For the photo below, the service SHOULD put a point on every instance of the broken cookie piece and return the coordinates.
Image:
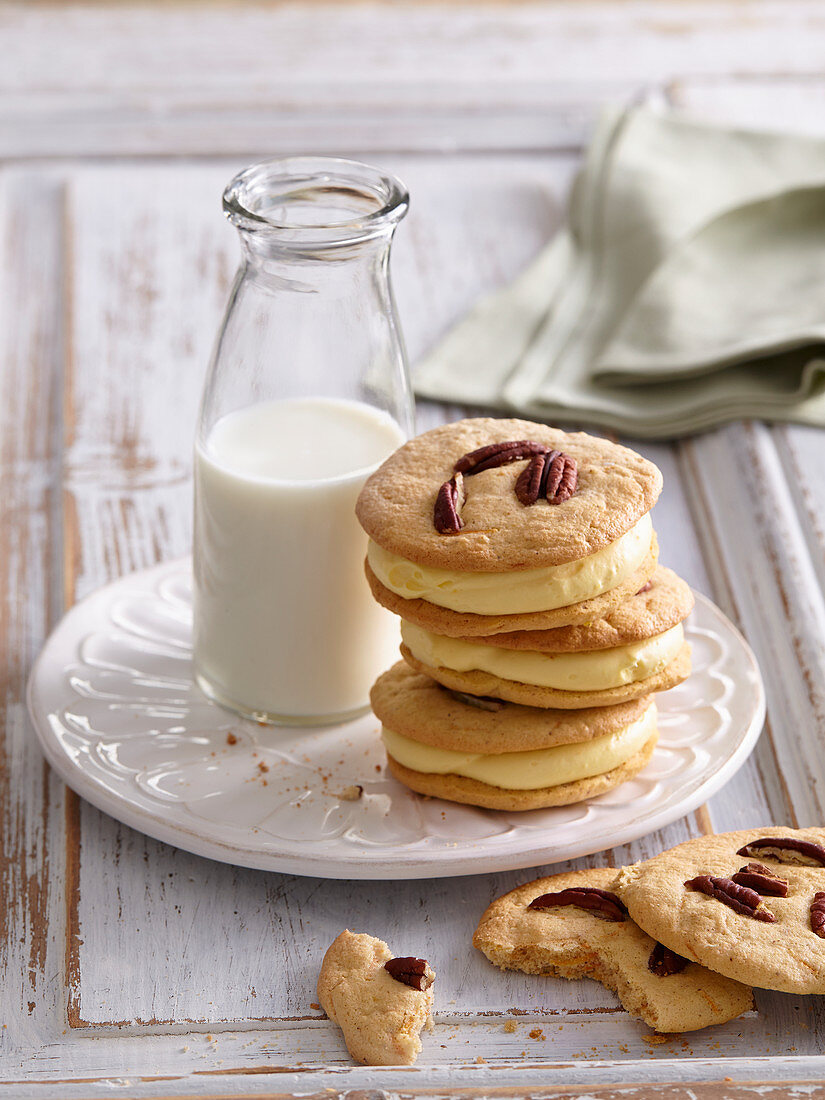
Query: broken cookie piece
(573, 926)
(381, 1003)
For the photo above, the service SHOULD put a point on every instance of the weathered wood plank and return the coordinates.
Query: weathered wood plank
(252, 1062)
(31, 799)
(282, 78)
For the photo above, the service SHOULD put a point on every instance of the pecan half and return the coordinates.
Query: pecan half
(601, 903)
(786, 849)
(497, 454)
(561, 477)
(448, 504)
(761, 879)
(415, 973)
(818, 914)
(480, 702)
(740, 898)
(528, 484)
(664, 962)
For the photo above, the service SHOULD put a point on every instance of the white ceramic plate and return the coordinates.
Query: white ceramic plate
(118, 717)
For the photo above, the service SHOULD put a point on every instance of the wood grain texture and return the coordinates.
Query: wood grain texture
(252, 79)
(31, 799)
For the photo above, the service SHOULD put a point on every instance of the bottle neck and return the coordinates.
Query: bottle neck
(343, 269)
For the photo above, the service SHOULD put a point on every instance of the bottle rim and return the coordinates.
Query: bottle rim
(260, 198)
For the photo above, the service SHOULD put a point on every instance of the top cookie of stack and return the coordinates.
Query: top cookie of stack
(522, 561)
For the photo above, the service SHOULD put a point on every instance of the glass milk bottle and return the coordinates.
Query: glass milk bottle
(306, 395)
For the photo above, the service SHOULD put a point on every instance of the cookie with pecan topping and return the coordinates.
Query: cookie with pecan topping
(757, 922)
(504, 756)
(381, 1003)
(573, 926)
(488, 525)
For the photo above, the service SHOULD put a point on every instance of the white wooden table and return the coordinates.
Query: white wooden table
(131, 968)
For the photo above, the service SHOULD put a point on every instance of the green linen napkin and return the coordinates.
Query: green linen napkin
(686, 290)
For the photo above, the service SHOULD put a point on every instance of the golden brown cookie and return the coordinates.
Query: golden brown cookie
(475, 682)
(503, 756)
(465, 624)
(472, 792)
(381, 1015)
(616, 487)
(569, 941)
(664, 602)
(414, 706)
(727, 930)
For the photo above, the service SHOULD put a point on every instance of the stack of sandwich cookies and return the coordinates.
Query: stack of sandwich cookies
(536, 622)
(486, 752)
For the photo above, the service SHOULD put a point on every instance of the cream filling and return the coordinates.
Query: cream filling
(531, 770)
(595, 670)
(519, 590)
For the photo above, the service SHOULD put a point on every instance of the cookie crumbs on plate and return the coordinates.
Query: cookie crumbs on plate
(536, 1033)
(349, 794)
(656, 1040)
(509, 1026)
(231, 739)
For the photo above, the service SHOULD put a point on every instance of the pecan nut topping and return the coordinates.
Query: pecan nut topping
(601, 903)
(761, 879)
(561, 478)
(663, 962)
(415, 973)
(550, 474)
(786, 849)
(528, 483)
(497, 454)
(480, 702)
(448, 504)
(553, 475)
(740, 898)
(818, 914)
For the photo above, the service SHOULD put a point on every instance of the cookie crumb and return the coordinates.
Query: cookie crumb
(536, 1033)
(481, 1061)
(509, 1026)
(313, 1004)
(263, 767)
(363, 988)
(231, 739)
(656, 1040)
(349, 794)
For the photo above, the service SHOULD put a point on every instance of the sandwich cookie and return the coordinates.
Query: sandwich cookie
(638, 649)
(381, 1003)
(486, 526)
(749, 905)
(485, 752)
(573, 926)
